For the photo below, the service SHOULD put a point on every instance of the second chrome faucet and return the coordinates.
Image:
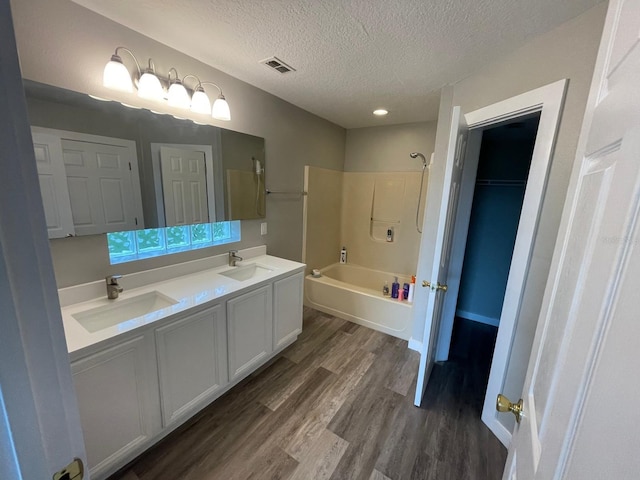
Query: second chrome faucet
(113, 287)
(233, 258)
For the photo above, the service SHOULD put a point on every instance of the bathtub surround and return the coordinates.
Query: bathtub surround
(322, 217)
(293, 137)
(368, 205)
(374, 202)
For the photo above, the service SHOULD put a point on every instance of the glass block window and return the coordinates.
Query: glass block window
(154, 242)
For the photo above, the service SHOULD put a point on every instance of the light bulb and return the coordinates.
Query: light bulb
(116, 76)
(150, 87)
(221, 109)
(200, 102)
(178, 96)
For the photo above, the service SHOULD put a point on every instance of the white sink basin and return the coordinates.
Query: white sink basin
(122, 310)
(246, 272)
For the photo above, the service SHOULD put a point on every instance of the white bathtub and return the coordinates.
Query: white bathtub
(355, 293)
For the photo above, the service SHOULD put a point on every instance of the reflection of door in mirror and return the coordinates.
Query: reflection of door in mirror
(90, 179)
(183, 179)
(184, 186)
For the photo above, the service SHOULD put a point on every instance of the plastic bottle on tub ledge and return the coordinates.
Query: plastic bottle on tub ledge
(343, 255)
(395, 288)
(412, 287)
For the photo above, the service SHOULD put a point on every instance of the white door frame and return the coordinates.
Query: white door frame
(548, 100)
(461, 230)
(40, 430)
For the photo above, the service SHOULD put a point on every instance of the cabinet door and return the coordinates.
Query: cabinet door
(192, 363)
(287, 309)
(116, 389)
(250, 330)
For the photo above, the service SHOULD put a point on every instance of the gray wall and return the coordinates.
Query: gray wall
(63, 44)
(387, 148)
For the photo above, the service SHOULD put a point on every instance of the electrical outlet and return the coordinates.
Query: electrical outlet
(263, 228)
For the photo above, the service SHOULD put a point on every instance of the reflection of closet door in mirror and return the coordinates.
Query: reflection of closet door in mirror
(53, 184)
(100, 185)
(184, 186)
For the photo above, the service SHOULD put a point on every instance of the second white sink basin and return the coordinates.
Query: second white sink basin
(122, 310)
(246, 272)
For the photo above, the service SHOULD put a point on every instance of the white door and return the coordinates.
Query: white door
(184, 186)
(581, 390)
(101, 187)
(451, 191)
(39, 421)
(53, 184)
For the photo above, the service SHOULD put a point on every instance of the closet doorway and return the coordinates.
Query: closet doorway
(486, 225)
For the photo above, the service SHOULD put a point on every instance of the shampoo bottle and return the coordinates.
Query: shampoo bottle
(395, 287)
(343, 255)
(385, 289)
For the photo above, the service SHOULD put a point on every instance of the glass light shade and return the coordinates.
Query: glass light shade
(200, 102)
(221, 109)
(178, 96)
(150, 87)
(116, 76)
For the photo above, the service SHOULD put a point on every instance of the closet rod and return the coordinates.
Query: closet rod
(501, 183)
(273, 192)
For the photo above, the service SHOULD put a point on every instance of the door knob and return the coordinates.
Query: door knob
(503, 404)
(437, 286)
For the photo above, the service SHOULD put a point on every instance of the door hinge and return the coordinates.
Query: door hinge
(73, 471)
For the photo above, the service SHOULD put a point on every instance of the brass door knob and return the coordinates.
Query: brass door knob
(437, 286)
(503, 404)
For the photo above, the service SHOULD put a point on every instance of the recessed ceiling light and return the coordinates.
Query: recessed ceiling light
(380, 112)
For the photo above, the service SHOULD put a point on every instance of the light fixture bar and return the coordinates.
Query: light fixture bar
(117, 77)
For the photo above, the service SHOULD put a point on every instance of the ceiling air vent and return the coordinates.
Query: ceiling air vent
(277, 64)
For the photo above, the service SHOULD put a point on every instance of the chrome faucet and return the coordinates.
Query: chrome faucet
(233, 258)
(113, 287)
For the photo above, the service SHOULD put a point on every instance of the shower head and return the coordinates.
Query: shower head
(418, 154)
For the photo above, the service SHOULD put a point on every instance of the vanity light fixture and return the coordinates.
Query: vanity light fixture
(220, 106)
(149, 85)
(177, 95)
(200, 102)
(380, 112)
(117, 77)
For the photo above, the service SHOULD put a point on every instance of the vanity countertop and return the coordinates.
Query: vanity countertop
(196, 291)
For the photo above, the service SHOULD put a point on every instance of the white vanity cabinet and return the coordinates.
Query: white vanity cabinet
(287, 309)
(249, 330)
(133, 388)
(192, 363)
(118, 402)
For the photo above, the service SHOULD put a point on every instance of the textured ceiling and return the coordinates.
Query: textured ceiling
(351, 56)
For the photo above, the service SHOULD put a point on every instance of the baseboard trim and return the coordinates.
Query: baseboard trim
(415, 345)
(494, 322)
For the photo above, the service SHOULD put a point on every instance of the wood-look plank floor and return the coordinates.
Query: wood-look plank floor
(338, 404)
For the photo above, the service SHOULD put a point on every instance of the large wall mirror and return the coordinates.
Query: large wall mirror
(105, 167)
